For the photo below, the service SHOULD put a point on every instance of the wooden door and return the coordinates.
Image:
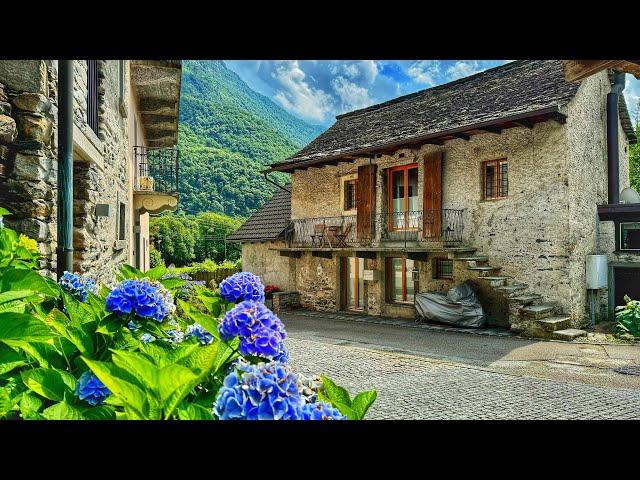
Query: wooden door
(432, 199)
(366, 187)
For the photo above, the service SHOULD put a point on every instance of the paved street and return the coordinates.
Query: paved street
(434, 374)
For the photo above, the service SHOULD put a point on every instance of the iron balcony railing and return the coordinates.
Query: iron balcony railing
(156, 169)
(442, 226)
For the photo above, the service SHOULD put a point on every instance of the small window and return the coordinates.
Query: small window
(401, 286)
(92, 95)
(630, 236)
(495, 179)
(122, 212)
(350, 194)
(443, 268)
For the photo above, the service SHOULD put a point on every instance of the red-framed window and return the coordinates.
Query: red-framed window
(402, 196)
(495, 179)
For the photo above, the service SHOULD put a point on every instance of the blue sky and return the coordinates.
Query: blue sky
(318, 90)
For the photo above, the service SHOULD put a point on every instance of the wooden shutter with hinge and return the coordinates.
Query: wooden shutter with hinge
(432, 190)
(366, 194)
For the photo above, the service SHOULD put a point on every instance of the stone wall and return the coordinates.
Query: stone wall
(29, 162)
(587, 178)
(317, 281)
(28, 166)
(269, 265)
(97, 246)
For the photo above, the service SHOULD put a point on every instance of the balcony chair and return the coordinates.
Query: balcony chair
(317, 237)
(341, 236)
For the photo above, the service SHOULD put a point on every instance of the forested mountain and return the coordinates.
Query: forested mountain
(228, 133)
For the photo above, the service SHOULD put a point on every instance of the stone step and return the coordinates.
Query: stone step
(484, 268)
(495, 280)
(538, 311)
(512, 289)
(568, 334)
(472, 259)
(525, 299)
(553, 324)
(461, 251)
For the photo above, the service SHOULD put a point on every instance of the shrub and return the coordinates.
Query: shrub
(628, 318)
(77, 350)
(155, 257)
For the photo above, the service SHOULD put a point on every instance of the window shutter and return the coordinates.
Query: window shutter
(432, 199)
(366, 195)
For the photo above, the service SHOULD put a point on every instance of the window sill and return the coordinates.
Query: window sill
(87, 146)
(119, 244)
(491, 200)
(400, 304)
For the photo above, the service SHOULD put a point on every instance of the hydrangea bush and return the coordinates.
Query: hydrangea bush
(155, 346)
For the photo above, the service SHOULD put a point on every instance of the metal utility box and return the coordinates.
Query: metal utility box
(103, 210)
(596, 272)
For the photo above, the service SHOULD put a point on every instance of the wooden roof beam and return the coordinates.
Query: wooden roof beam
(496, 130)
(461, 136)
(523, 122)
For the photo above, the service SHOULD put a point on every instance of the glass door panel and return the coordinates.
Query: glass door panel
(409, 264)
(354, 278)
(397, 198)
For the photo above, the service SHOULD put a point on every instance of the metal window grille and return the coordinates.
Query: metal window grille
(350, 195)
(92, 95)
(495, 179)
(444, 268)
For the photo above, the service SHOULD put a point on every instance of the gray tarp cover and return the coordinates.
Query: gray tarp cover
(459, 307)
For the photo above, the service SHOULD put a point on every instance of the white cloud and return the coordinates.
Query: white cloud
(424, 72)
(294, 92)
(632, 97)
(352, 96)
(463, 69)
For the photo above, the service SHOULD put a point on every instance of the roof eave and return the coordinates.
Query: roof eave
(290, 167)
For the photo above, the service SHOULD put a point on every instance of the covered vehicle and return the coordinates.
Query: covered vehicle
(459, 306)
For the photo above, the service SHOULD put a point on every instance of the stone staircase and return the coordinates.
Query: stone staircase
(527, 312)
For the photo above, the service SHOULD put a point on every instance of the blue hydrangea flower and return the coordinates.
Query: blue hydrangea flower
(320, 411)
(77, 285)
(143, 297)
(90, 389)
(147, 338)
(175, 336)
(261, 332)
(1, 223)
(196, 330)
(283, 356)
(242, 286)
(266, 391)
(133, 326)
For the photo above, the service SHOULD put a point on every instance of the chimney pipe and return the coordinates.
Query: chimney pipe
(613, 154)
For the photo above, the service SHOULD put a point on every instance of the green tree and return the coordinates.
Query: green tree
(182, 239)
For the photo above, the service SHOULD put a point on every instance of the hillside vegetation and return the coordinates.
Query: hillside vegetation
(228, 134)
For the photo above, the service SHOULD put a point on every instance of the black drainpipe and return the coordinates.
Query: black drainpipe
(265, 173)
(613, 154)
(64, 250)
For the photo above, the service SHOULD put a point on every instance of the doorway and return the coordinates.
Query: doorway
(403, 197)
(626, 282)
(353, 297)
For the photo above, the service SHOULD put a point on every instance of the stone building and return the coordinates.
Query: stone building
(125, 126)
(494, 178)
